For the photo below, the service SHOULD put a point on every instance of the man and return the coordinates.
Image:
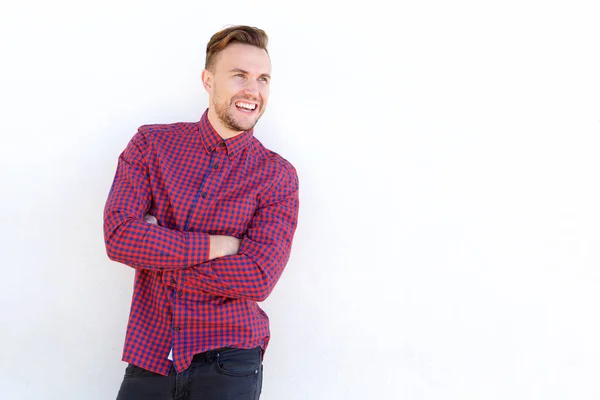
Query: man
(206, 216)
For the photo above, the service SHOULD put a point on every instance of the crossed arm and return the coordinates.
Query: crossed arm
(245, 268)
(220, 245)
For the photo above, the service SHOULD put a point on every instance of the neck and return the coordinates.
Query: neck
(221, 129)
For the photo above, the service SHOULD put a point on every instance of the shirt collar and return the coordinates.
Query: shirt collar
(212, 141)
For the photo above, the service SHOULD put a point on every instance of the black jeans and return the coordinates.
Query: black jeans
(223, 374)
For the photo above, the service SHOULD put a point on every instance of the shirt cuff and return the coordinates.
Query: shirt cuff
(198, 248)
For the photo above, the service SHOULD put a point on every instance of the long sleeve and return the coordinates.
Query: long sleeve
(253, 272)
(131, 240)
(198, 184)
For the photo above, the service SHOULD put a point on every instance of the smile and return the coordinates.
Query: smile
(245, 107)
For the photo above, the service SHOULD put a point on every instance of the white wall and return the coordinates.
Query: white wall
(448, 244)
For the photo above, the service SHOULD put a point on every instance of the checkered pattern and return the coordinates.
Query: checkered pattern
(196, 185)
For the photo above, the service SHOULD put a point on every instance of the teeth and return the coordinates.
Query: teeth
(247, 106)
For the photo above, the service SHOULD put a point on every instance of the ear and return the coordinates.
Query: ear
(207, 80)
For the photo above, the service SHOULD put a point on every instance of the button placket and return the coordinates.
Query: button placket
(215, 167)
(214, 164)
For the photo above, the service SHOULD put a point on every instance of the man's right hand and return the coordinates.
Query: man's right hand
(221, 246)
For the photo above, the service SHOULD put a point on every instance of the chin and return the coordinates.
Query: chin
(245, 124)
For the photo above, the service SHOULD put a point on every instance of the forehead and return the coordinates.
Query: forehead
(243, 56)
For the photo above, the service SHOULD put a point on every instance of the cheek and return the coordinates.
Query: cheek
(264, 93)
(228, 90)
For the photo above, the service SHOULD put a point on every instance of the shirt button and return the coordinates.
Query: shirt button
(180, 293)
(216, 166)
(176, 329)
(222, 144)
(203, 194)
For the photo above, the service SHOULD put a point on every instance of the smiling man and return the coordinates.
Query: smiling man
(238, 87)
(205, 214)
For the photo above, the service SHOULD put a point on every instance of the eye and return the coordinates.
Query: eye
(239, 76)
(264, 79)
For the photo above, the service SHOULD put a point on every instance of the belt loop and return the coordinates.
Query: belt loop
(210, 355)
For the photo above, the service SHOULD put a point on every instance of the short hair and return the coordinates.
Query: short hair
(234, 34)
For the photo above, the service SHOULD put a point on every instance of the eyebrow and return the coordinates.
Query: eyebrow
(247, 73)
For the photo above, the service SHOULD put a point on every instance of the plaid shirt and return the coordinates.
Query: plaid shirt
(197, 184)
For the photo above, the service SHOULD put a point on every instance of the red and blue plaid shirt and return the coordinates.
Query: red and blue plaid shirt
(196, 184)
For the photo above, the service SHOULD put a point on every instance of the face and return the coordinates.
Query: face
(238, 87)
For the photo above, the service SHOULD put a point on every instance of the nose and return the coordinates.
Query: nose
(251, 88)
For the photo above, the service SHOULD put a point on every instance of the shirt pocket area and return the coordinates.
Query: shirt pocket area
(231, 217)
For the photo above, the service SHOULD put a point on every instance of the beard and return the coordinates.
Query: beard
(225, 114)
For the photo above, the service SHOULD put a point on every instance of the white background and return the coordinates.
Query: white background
(449, 234)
